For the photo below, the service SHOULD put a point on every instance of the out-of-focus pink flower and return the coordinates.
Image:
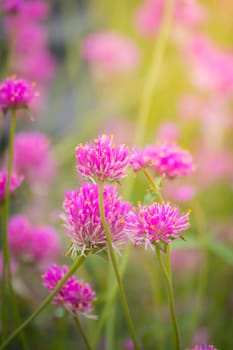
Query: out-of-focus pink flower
(111, 52)
(139, 160)
(211, 67)
(19, 235)
(203, 347)
(16, 93)
(186, 260)
(170, 160)
(11, 6)
(168, 132)
(39, 244)
(103, 159)
(83, 222)
(36, 10)
(33, 157)
(27, 35)
(149, 15)
(190, 107)
(156, 223)
(40, 66)
(15, 182)
(128, 344)
(178, 192)
(75, 296)
(213, 165)
(189, 12)
(45, 244)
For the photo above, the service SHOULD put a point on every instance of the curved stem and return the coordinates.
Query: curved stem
(43, 305)
(115, 268)
(167, 276)
(81, 330)
(153, 73)
(153, 184)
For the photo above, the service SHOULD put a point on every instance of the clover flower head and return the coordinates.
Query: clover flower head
(75, 296)
(15, 182)
(170, 160)
(156, 223)
(16, 93)
(139, 160)
(83, 222)
(102, 159)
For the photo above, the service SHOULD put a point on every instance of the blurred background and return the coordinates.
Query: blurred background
(97, 64)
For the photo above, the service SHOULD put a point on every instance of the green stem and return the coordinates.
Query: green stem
(111, 297)
(153, 73)
(115, 268)
(81, 330)
(167, 276)
(153, 184)
(43, 305)
(6, 271)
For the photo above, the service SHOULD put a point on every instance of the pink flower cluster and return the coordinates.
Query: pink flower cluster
(74, 295)
(39, 244)
(170, 160)
(166, 159)
(28, 39)
(83, 222)
(112, 52)
(139, 159)
(156, 223)
(211, 67)
(15, 182)
(33, 157)
(102, 159)
(149, 15)
(16, 93)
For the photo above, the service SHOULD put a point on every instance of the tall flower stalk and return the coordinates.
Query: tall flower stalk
(6, 271)
(166, 270)
(81, 330)
(115, 268)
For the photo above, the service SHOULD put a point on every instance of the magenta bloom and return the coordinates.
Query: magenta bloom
(156, 223)
(102, 159)
(111, 52)
(139, 160)
(15, 182)
(34, 244)
(82, 218)
(16, 93)
(75, 296)
(170, 160)
(204, 347)
(33, 157)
